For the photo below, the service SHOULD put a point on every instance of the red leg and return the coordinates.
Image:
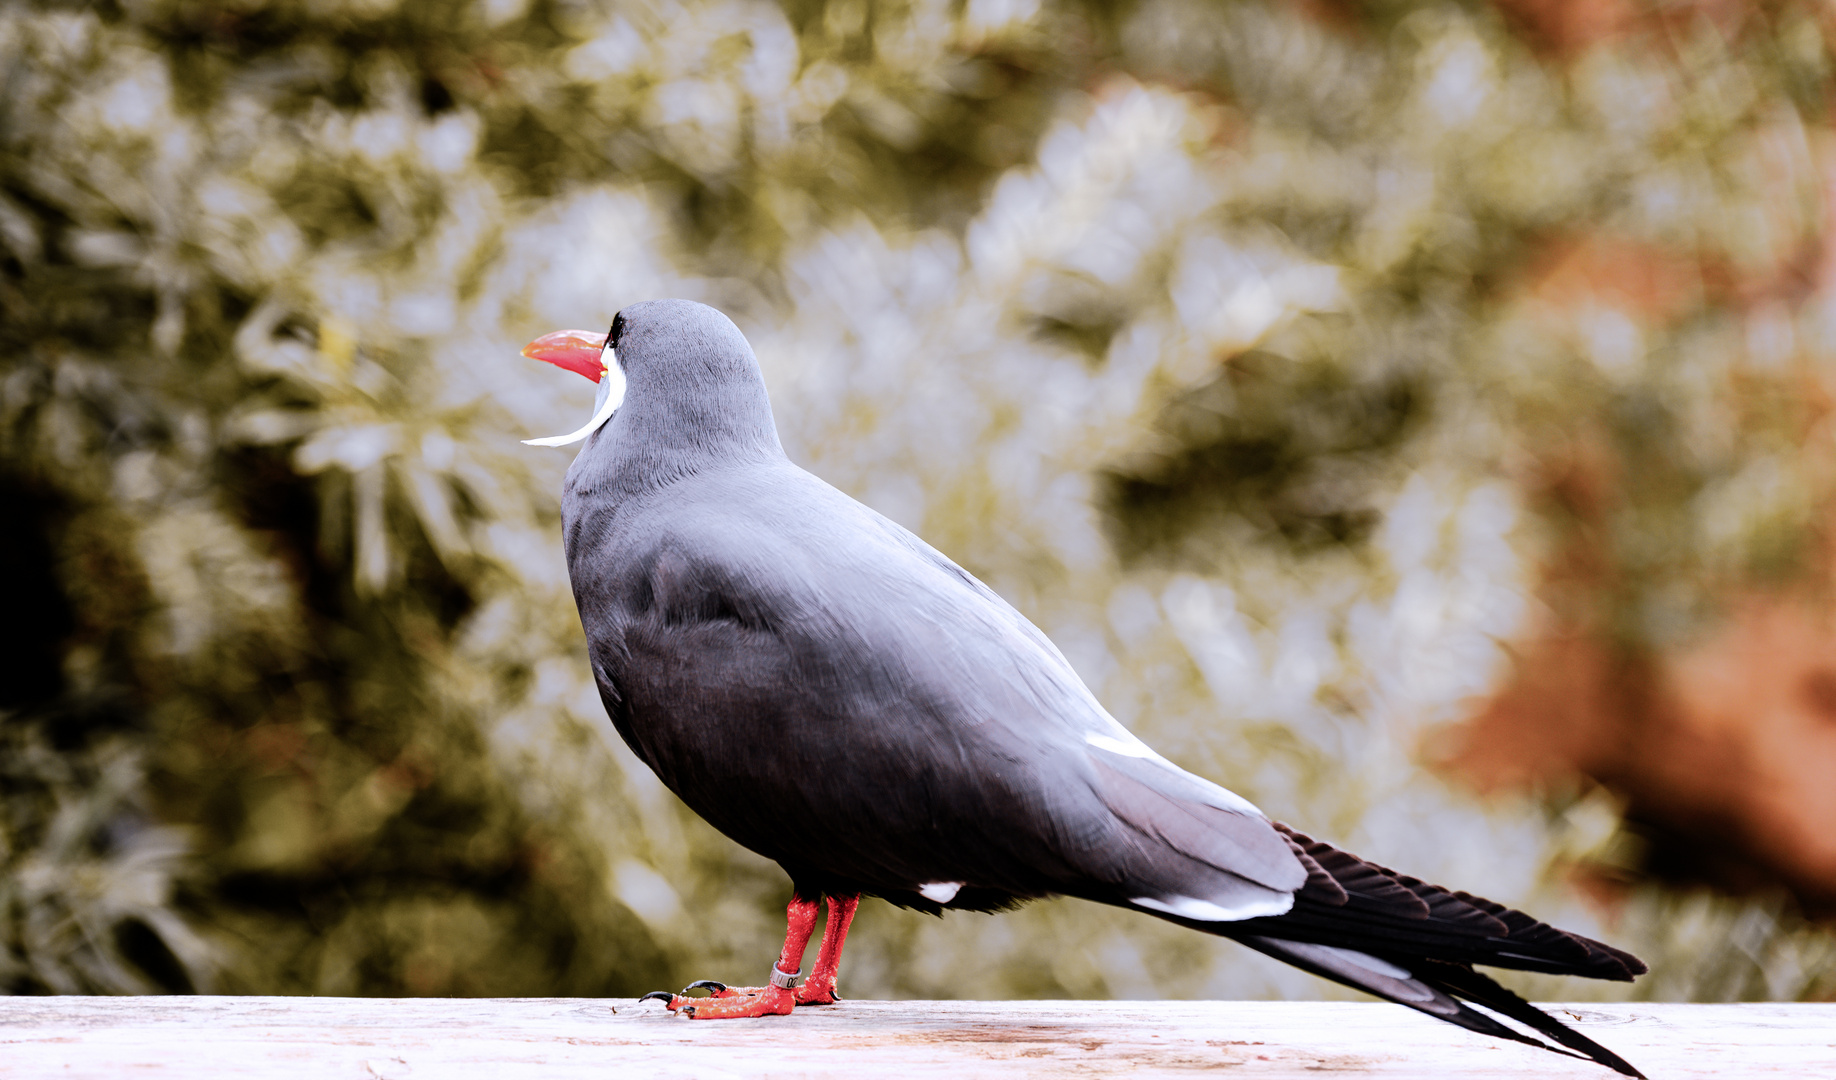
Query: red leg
(819, 988)
(737, 1001)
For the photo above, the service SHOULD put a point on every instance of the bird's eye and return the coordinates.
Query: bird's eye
(618, 327)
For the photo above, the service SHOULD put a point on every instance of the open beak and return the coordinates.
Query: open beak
(584, 353)
(579, 351)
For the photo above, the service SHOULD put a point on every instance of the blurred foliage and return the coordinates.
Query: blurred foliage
(1268, 355)
(86, 895)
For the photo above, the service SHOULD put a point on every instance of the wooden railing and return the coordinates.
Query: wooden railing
(458, 1039)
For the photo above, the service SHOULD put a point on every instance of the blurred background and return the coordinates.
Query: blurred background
(1414, 415)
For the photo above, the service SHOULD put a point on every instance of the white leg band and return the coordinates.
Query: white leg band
(783, 981)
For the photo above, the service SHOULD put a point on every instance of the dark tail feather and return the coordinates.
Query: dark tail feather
(1471, 985)
(1430, 986)
(1411, 992)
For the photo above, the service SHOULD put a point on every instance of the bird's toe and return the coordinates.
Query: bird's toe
(816, 994)
(738, 1002)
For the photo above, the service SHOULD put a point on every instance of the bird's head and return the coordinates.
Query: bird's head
(682, 372)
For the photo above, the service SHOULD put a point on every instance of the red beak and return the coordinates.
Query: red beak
(576, 350)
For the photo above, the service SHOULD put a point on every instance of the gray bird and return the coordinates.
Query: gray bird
(830, 691)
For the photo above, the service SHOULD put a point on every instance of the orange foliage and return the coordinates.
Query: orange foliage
(1724, 746)
(1563, 29)
(1603, 270)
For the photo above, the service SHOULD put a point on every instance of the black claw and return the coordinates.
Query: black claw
(710, 985)
(834, 996)
(687, 1010)
(661, 995)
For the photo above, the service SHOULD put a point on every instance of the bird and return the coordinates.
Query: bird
(833, 693)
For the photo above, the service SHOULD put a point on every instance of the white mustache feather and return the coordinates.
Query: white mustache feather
(611, 395)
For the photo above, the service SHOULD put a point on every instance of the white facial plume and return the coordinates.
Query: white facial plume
(611, 395)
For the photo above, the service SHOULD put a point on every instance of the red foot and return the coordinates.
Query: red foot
(813, 992)
(730, 1002)
(735, 1002)
(819, 988)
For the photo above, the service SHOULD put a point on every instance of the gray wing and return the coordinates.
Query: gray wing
(832, 692)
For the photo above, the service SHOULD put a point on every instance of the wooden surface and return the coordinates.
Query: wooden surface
(423, 1039)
